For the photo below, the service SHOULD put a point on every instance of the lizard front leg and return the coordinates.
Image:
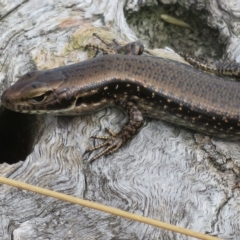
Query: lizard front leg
(115, 140)
(114, 47)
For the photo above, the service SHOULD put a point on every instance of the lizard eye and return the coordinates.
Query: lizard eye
(40, 98)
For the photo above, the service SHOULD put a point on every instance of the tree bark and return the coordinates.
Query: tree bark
(166, 172)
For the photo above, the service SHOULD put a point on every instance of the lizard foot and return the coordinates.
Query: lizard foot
(114, 47)
(111, 144)
(114, 141)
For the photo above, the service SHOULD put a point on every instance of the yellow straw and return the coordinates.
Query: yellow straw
(106, 209)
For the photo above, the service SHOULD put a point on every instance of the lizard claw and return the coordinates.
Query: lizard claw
(114, 141)
(111, 143)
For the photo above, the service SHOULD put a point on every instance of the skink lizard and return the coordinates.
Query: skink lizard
(140, 85)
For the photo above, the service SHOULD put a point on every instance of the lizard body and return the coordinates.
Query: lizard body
(142, 86)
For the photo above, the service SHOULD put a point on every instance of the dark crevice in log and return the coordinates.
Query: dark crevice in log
(18, 135)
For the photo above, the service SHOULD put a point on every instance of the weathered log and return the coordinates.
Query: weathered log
(166, 172)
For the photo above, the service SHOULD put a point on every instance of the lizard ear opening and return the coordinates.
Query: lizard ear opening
(79, 101)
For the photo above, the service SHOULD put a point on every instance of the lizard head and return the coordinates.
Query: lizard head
(37, 92)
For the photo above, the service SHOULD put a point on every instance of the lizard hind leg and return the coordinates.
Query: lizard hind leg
(114, 141)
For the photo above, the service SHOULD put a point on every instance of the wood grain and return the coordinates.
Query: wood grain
(166, 172)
